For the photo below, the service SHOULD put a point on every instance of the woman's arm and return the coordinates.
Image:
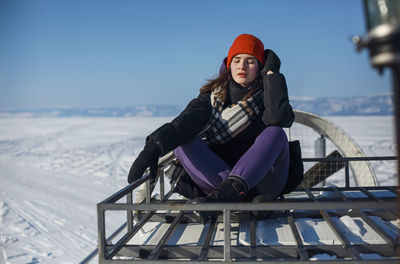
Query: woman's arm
(184, 127)
(179, 131)
(278, 111)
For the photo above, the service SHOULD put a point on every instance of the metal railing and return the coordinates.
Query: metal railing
(303, 203)
(346, 161)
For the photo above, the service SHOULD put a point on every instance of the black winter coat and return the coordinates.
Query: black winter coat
(185, 127)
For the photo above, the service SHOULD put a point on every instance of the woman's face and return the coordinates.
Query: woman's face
(244, 68)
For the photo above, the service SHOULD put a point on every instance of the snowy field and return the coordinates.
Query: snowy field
(55, 170)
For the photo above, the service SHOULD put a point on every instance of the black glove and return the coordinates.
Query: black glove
(147, 158)
(272, 62)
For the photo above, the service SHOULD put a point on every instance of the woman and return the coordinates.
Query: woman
(230, 139)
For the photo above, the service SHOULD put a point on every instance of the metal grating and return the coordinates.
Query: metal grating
(302, 203)
(306, 206)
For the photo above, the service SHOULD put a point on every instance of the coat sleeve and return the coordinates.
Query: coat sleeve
(278, 111)
(184, 127)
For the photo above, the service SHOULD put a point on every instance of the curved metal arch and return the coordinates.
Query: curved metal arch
(363, 172)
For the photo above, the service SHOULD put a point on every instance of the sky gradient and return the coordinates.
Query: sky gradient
(74, 53)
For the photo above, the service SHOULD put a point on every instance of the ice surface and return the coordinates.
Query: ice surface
(357, 231)
(55, 170)
(274, 231)
(53, 173)
(322, 257)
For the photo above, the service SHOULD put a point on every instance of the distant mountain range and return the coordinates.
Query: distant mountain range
(344, 106)
(328, 106)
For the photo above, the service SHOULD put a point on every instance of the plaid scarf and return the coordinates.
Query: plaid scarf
(226, 123)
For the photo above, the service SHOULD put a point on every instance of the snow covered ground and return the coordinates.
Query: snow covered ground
(53, 172)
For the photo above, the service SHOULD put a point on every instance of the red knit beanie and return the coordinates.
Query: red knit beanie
(247, 44)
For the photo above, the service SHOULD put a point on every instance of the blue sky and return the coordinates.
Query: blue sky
(81, 53)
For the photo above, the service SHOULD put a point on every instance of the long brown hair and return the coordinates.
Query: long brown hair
(222, 81)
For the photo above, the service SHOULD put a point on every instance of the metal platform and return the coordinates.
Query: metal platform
(331, 225)
(166, 229)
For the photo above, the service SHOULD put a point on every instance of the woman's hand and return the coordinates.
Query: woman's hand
(147, 158)
(272, 63)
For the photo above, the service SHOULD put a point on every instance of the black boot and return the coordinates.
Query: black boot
(232, 189)
(186, 187)
(262, 215)
(182, 183)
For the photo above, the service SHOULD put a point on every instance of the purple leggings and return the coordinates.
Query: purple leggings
(269, 153)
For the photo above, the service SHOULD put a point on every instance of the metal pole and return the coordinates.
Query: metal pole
(162, 187)
(347, 174)
(129, 219)
(227, 235)
(148, 191)
(320, 150)
(101, 229)
(320, 147)
(396, 100)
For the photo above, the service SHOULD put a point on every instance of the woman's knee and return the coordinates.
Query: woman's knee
(273, 133)
(178, 151)
(276, 130)
(187, 148)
